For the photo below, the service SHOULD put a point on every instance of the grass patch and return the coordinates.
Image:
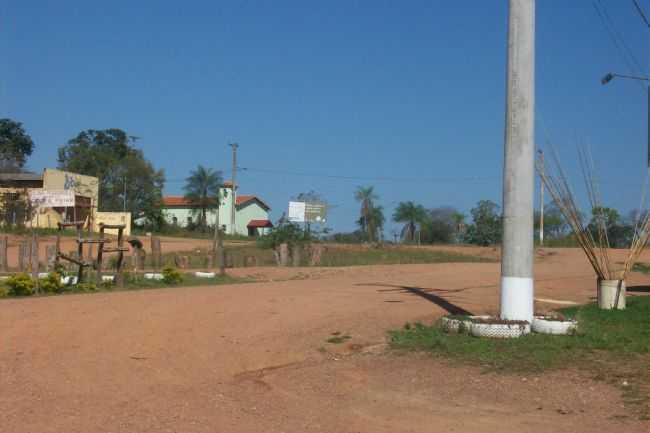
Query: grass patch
(644, 268)
(133, 282)
(393, 256)
(338, 338)
(251, 255)
(612, 344)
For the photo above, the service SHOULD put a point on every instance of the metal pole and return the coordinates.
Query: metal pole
(518, 171)
(232, 196)
(541, 203)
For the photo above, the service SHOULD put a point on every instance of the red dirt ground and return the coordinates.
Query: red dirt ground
(254, 357)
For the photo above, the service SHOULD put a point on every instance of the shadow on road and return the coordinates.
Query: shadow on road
(428, 294)
(638, 289)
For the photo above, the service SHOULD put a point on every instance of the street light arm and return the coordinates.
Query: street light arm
(609, 77)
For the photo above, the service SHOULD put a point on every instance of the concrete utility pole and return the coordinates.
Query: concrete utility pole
(541, 201)
(232, 196)
(518, 172)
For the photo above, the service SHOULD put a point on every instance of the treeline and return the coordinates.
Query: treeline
(483, 226)
(127, 180)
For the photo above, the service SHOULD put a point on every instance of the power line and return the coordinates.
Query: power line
(617, 38)
(641, 13)
(626, 47)
(370, 178)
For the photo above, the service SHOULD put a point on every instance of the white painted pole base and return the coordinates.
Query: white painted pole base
(517, 298)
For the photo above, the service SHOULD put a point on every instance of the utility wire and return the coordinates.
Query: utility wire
(621, 38)
(641, 13)
(376, 179)
(617, 39)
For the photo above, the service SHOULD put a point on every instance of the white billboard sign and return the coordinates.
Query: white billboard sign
(297, 211)
(41, 199)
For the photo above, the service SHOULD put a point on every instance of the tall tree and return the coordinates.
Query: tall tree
(15, 145)
(443, 225)
(555, 226)
(202, 187)
(411, 215)
(375, 220)
(367, 196)
(111, 156)
(486, 228)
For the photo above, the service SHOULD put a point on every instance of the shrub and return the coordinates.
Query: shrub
(52, 283)
(20, 285)
(171, 275)
(85, 287)
(4, 292)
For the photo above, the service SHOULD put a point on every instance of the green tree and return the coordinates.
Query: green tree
(486, 228)
(555, 226)
(366, 196)
(15, 145)
(412, 216)
(372, 226)
(202, 187)
(441, 226)
(607, 221)
(111, 156)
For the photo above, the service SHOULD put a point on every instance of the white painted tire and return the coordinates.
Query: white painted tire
(499, 330)
(70, 280)
(554, 327)
(454, 325)
(204, 274)
(153, 276)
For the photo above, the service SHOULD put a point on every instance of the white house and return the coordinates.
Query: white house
(251, 212)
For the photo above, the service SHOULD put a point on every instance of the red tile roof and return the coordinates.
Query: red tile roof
(243, 199)
(180, 201)
(259, 223)
(177, 201)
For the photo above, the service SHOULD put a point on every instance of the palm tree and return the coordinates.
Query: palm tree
(202, 188)
(366, 196)
(374, 221)
(411, 215)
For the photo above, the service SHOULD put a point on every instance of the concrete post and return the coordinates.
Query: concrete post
(518, 173)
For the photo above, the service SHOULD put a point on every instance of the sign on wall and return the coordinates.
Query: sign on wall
(44, 199)
(114, 218)
(87, 186)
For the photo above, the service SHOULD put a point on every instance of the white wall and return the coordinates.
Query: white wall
(251, 211)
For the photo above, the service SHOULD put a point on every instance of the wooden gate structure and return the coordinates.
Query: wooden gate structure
(120, 249)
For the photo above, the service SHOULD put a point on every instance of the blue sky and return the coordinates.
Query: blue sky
(406, 96)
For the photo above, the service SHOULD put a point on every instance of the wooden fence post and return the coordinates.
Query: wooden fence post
(316, 255)
(50, 253)
(4, 259)
(156, 252)
(295, 255)
(23, 256)
(33, 257)
(284, 255)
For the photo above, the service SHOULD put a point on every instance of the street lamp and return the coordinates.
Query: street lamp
(610, 76)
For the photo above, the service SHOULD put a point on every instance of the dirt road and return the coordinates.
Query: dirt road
(254, 357)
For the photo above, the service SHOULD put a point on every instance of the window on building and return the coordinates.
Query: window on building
(175, 221)
(189, 220)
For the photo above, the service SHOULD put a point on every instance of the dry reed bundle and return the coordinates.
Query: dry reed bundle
(595, 244)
